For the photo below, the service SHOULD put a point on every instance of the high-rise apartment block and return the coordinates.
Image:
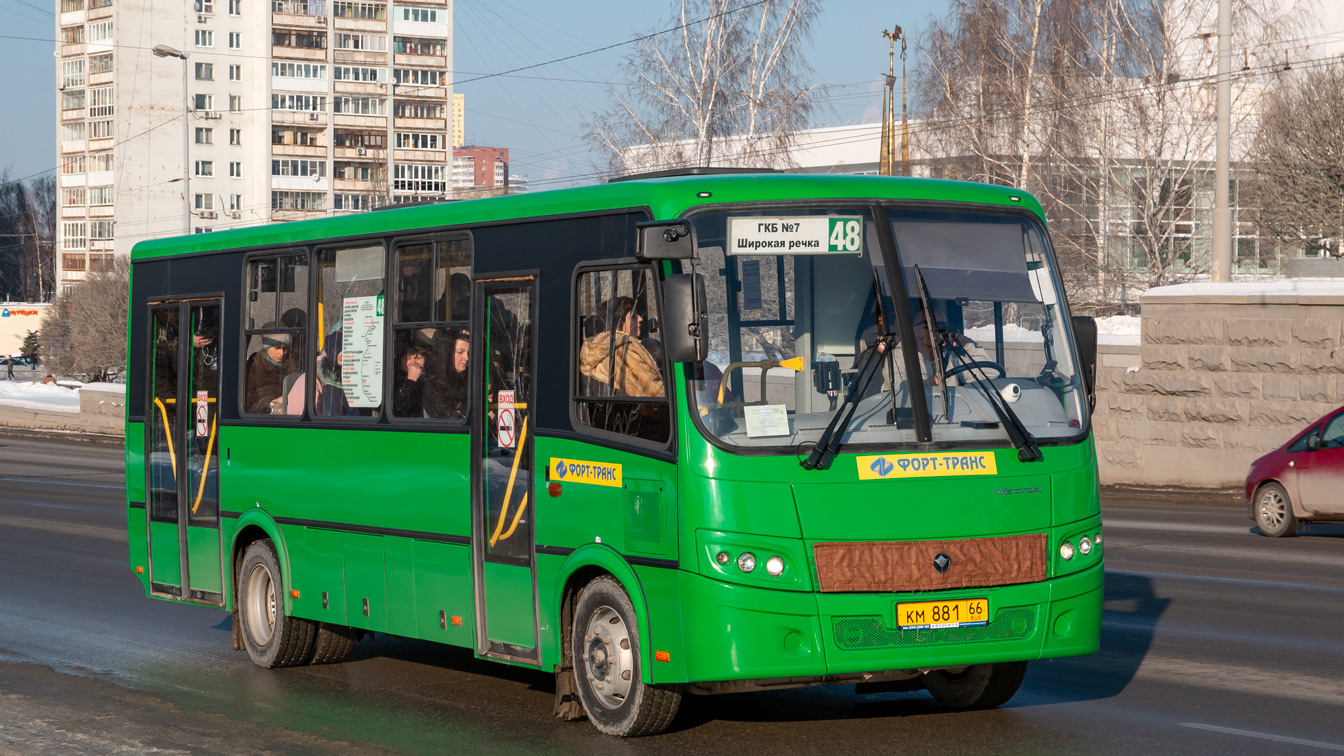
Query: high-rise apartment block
(292, 109)
(480, 171)
(459, 119)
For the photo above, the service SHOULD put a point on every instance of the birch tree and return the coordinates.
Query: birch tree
(727, 87)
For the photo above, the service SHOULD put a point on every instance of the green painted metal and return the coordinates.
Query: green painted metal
(203, 559)
(386, 515)
(166, 554)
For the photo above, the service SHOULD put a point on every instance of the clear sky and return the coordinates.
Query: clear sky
(539, 119)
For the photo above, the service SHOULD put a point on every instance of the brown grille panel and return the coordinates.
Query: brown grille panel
(894, 566)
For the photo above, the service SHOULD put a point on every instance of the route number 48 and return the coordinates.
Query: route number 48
(845, 235)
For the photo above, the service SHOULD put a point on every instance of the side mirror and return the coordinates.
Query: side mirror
(1314, 441)
(685, 323)
(1085, 332)
(665, 240)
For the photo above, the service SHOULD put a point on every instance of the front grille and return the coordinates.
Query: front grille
(866, 633)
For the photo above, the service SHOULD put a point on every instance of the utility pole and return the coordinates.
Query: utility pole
(1222, 210)
(905, 125)
(887, 160)
(164, 51)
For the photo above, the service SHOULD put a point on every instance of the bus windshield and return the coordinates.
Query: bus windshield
(798, 295)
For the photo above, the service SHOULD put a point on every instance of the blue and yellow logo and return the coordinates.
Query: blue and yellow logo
(885, 466)
(583, 471)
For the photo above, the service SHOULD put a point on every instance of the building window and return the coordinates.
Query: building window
(417, 109)
(101, 263)
(72, 73)
(235, 7)
(291, 70)
(359, 73)
(418, 77)
(235, 103)
(74, 235)
(374, 140)
(235, 72)
(235, 169)
(359, 171)
(205, 201)
(100, 63)
(416, 177)
(204, 6)
(297, 137)
(100, 102)
(100, 161)
(372, 106)
(415, 141)
(205, 167)
(365, 11)
(101, 195)
(202, 230)
(312, 103)
(235, 202)
(100, 229)
(72, 197)
(205, 71)
(369, 42)
(204, 101)
(72, 164)
(205, 38)
(312, 201)
(72, 132)
(70, 6)
(417, 46)
(72, 35)
(297, 167)
(420, 15)
(359, 202)
(100, 31)
(304, 40)
(72, 99)
(71, 263)
(100, 129)
(235, 136)
(205, 136)
(235, 41)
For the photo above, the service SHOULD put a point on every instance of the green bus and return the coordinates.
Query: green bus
(688, 433)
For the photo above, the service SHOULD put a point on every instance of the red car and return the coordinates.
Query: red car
(1301, 481)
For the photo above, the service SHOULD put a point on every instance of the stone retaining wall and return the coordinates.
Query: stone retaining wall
(101, 410)
(1218, 380)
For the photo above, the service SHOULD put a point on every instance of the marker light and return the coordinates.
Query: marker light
(1066, 550)
(1097, 540)
(746, 562)
(775, 566)
(723, 557)
(1085, 545)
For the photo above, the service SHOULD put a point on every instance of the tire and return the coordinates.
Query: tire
(332, 644)
(271, 638)
(1274, 511)
(605, 643)
(982, 686)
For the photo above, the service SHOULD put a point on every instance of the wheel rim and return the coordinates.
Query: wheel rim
(1273, 510)
(260, 605)
(608, 657)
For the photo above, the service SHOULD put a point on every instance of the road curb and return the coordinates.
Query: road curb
(56, 435)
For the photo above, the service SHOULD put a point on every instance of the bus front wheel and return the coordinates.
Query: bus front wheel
(981, 686)
(605, 642)
(271, 638)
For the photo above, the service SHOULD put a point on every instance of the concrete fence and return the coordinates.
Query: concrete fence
(1221, 376)
(102, 409)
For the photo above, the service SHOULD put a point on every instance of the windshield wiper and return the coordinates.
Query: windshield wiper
(828, 444)
(1027, 450)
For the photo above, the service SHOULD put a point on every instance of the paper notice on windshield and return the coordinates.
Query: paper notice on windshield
(767, 420)
(362, 351)
(802, 235)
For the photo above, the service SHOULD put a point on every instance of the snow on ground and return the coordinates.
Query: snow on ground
(47, 397)
(1262, 287)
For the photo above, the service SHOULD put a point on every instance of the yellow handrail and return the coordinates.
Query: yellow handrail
(508, 490)
(209, 447)
(168, 433)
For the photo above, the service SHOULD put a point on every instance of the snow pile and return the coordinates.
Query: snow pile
(1272, 287)
(1119, 329)
(47, 397)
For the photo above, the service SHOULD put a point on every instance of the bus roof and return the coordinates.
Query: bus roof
(666, 198)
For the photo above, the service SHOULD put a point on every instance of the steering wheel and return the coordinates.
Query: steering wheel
(982, 364)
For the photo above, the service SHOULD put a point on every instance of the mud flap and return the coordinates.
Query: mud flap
(567, 705)
(237, 633)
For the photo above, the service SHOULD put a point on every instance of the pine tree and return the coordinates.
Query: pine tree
(30, 347)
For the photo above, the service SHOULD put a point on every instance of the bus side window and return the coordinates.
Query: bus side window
(431, 341)
(275, 330)
(620, 379)
(351, 301)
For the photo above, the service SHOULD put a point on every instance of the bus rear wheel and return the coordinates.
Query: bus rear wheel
(272, 638)
(605, 643)
(981, 686)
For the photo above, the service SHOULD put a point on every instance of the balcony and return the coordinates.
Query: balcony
(74, 145)
(360, 88)
(361, 121)
(361, 25)
(68, 50)
(421, 156)
(420, 61)
(421, 91)
(361, 186)
(298, 53)
(401, 123)
(361, 57)
(74, 114)
(298, 150)
(361, 153)
(279, 216)
(73, 212)
(299, 117)
(96, 14)
(101, 211)
(96, 79)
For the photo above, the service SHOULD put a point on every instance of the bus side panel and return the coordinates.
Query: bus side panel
(443, 593)
(137, 536)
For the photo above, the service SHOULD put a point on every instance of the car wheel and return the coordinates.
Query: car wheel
(982, 686)
(1274, 511)
(605, 643)
(271, 638)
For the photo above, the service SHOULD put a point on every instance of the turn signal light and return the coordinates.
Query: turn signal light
(553, 488)
(139, 570)
(294, 594)
(457, 622)
(662, 656)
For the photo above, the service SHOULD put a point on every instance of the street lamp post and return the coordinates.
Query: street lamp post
(888, 159)
(164, 51)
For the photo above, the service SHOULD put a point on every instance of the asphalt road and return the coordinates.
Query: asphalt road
(1216, 640)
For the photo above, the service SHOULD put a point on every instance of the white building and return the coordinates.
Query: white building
(295, 109)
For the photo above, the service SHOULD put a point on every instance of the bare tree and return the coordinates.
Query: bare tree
(725, 87)
(1298, 153)
(84, 332)
(27, 238)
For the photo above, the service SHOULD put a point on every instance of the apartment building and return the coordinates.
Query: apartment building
(293, 109)
(482, 171)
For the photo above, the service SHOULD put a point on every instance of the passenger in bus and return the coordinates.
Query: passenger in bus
(408, 399)
(266, 371)
(446, 395)
(956, 349)
(615, 357)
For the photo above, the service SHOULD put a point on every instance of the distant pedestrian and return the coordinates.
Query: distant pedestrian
(9, 368)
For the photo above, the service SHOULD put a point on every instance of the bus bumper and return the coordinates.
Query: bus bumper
(745, 633)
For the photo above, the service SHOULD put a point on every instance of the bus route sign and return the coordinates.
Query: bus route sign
(798, 235)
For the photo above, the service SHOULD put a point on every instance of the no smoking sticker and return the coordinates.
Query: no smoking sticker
(505, 423)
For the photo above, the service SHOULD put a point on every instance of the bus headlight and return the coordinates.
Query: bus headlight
(1066, 551)
(1084, 545)
(775, 566)
(746, 562)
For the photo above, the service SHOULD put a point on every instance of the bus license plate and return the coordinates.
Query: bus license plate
(925, 615)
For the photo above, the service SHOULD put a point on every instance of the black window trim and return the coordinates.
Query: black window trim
(314, 294)
(246, 333)
(617, 440)
(390, 374)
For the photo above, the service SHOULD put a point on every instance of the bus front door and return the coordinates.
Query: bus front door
(183, 452)
(503, 528)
